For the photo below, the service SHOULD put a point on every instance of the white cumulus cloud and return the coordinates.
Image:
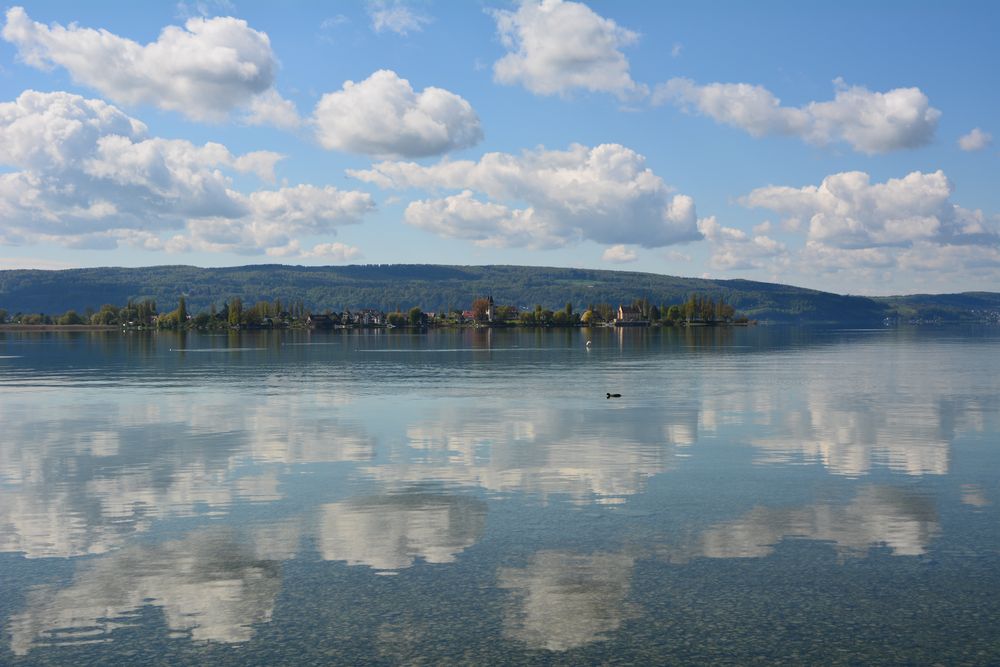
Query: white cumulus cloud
(976, 140)
(938, 267)
(818, 255)
(339, 253)
(871, 233)
(545, 198)
(203, 70)
(960, 259)
(273, 220)
(555, 46)
(335, 253)
(87, 175)
(619, 254)
(383, 116)
(396, 17)
(871, 122)
(847, 210)
(463, 216)
(270, 108)
(734, 249)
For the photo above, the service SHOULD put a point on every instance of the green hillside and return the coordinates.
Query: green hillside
(964, 307)
(432, 287)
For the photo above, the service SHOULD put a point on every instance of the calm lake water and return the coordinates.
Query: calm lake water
(452, 497)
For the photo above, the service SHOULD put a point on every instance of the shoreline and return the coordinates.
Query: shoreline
(59, 327)
(112, 327)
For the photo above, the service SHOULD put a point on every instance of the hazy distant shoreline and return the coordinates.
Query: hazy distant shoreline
(443, 288)
(59, 327)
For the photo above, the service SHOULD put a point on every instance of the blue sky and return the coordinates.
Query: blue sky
(847, 147)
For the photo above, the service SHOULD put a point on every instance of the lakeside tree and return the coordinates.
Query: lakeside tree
(235, 312)
(168, 320)
(690, 308)
(71, 317)
(709, 309)
(127, 314)
(506, 313)
(142, 312)
(480, 307)
(605, 311)
(416, 316)
(107, 315)
(724, 311)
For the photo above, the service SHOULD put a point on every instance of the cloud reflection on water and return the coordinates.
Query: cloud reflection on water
(81, 477)
(582, 453)
(389, 532)
(561, 600)
(903, 521)
(859, 412)
(85, 472)
(851, 440)
(210, 585)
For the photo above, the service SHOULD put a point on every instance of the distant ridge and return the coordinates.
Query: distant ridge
(436, 287)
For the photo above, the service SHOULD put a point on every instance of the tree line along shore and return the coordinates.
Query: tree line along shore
(233, 314)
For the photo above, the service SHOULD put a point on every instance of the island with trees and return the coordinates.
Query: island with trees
(382, 294)
(697, 310)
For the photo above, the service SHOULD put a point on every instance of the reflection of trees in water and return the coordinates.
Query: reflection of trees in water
(210, 585)
(389, 532)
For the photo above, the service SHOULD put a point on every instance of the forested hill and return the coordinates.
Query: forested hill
(432, 287)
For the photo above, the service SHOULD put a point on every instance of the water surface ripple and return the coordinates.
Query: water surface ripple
(753, 496)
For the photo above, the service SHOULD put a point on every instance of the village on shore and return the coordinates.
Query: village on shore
(484, 312)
